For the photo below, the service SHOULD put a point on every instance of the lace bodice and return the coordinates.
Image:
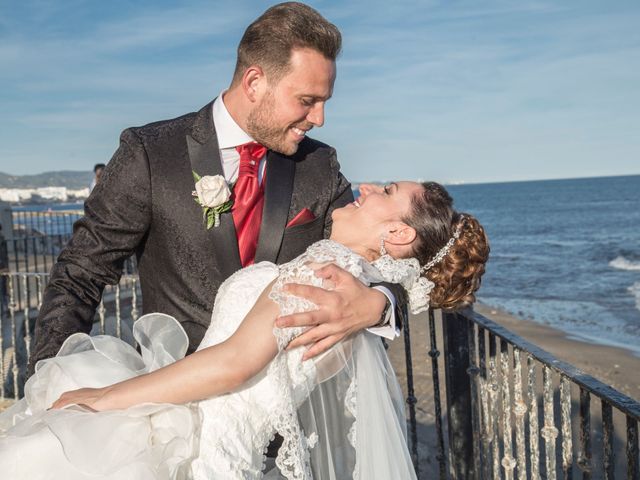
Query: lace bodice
(237, 427)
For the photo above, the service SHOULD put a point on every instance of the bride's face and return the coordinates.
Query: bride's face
(371, 216)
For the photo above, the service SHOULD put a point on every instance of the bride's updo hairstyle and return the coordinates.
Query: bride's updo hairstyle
(457, 275)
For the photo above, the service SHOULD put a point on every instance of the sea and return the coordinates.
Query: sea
(564, 253)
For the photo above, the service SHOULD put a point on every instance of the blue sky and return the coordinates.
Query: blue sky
(453, 91)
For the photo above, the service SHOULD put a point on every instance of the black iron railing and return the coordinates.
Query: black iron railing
(506, 420)
(38, 237)
(20, 303)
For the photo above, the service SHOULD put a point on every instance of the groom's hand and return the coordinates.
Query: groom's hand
(348, 307)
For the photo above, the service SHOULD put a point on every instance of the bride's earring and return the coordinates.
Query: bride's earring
(383, 251)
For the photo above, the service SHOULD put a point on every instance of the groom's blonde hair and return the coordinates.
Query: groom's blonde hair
(269, 40)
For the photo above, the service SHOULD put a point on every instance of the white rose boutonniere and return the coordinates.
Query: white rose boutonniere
(213, 194)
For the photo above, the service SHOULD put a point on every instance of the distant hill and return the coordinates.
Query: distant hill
(70, 179)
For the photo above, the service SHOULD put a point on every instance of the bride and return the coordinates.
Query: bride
(211, 415)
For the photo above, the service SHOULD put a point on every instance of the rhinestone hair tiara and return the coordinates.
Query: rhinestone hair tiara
(444, 251)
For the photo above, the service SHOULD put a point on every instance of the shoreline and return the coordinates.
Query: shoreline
(488, 310)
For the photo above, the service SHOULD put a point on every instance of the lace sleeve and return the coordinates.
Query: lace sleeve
(301, 270)
(406, 272)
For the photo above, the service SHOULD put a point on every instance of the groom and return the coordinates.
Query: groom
(286, 186)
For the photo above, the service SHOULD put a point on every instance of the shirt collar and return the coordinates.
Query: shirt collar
(228, 131)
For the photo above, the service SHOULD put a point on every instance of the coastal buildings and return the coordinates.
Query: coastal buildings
(55, 194)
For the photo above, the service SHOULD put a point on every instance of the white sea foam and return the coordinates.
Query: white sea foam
(622, 263)
(635, 290)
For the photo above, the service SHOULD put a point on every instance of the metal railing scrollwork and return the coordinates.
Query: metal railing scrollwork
(514, 411)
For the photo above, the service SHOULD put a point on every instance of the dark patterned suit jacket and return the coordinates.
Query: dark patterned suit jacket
(143, 205)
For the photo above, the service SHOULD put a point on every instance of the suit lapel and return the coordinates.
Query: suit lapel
(278, 189)
(204, 155)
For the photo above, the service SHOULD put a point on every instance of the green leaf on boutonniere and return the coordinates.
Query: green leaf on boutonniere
(225, 207)
(196, 177)
(212, 215)
(212, 219)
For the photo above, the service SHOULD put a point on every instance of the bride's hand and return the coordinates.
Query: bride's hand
(90, 398)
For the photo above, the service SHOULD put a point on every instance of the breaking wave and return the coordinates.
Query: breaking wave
(622, 263)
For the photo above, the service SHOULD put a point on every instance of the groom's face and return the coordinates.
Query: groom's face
(293, 105)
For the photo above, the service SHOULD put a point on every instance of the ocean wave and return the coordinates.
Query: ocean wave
(635, 290)
(566, 243)
(622, 263)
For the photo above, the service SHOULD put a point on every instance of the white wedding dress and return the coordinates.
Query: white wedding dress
(341, 416)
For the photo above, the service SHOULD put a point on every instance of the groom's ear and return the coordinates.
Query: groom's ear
(401, 234)
(253, 83)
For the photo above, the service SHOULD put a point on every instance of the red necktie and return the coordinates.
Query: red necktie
(248, 199)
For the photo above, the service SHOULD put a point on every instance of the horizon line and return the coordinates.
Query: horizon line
(491, 182)
(447, 182)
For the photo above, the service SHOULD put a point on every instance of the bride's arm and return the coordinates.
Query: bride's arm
(212, 371)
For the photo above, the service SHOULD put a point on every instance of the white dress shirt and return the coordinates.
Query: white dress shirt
(230, 135)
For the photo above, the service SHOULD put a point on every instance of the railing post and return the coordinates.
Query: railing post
(459, 407)
(6, 220)
(411, 398)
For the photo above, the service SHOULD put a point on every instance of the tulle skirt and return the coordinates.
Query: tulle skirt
(150, 441)
(354, 418)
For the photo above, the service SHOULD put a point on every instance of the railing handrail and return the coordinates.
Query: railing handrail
(622, 402)
(26, 274)
(79, 211)
(124, 276)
